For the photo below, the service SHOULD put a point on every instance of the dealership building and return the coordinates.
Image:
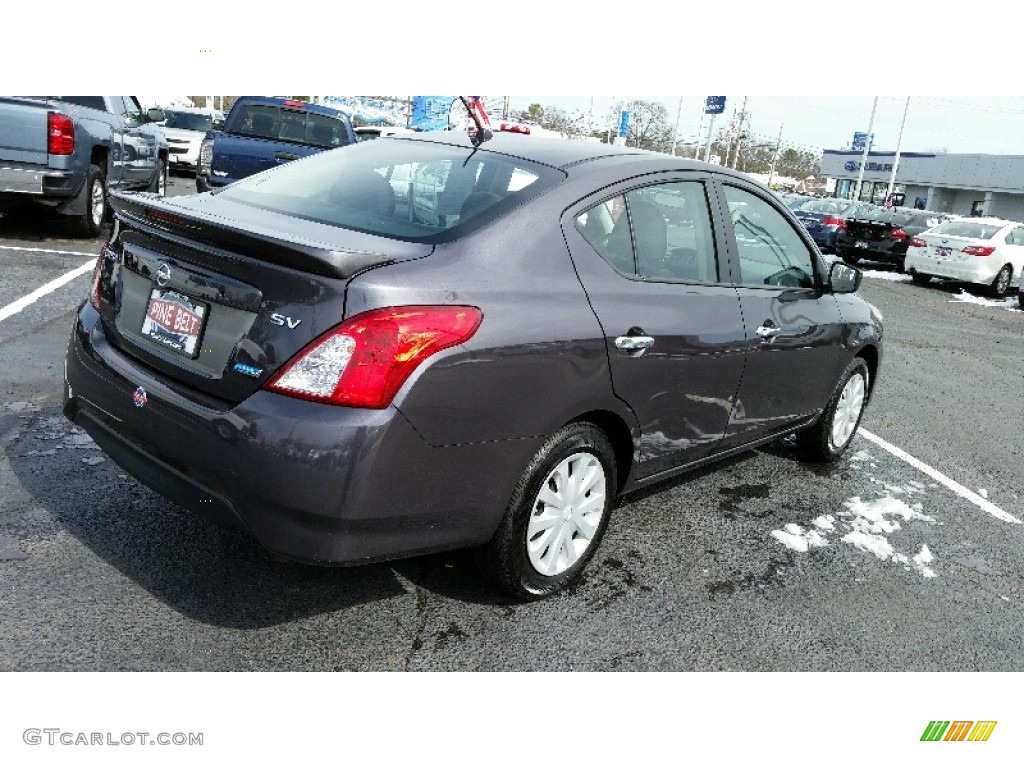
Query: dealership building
(967, 185)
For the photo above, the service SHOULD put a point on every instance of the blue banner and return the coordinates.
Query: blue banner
(714, 105)
(430, 113)
(624, 123)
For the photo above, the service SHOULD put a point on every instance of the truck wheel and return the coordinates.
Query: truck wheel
(90, 223)
(159, 182)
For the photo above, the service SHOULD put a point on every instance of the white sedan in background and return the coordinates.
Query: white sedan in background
(983, 250)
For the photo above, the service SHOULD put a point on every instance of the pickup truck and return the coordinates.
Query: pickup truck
(70, 152)
(262, 132)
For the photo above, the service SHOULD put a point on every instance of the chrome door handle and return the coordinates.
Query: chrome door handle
(768, 331)
(633, 343)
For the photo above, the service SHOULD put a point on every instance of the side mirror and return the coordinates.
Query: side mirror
(842, 278)
(156, 115)
(218, 124)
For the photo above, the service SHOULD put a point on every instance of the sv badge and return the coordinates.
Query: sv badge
(277, 319)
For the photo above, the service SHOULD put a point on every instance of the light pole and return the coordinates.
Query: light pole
(864, 155)
(899, 145)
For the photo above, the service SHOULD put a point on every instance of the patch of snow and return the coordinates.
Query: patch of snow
(92, 461)
(964, 297)
(794, 537)
(861, 455)
(867, 525)
(825, 523)
(920, 562)
(892, 277)
(983, 492)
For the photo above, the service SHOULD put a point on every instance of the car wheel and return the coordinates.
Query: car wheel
(556, 516)
(1001, 285)
(920, 279)
(1020, 299)
(829, 438)
(159, 182)
(850, 259)
(90, 223)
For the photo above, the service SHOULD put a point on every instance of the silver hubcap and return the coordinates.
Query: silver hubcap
(848, 411)
(566, 514)
(96, 202)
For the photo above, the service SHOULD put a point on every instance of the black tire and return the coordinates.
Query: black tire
(1020, 299)
(90, 223)
(505, 559)
(818, 442)
(920, 279)
(1001, 284)
(850, 259)
(159, 183)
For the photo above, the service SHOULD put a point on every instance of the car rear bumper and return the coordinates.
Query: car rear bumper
(34, 180)
(310, 482)
(970, 270)
(892, 252)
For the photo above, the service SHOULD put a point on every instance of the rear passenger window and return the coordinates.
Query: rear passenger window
(92, 102)
(770, 250)
(660, 232)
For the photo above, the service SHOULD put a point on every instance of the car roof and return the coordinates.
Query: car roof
(566, 153)
(989, 220)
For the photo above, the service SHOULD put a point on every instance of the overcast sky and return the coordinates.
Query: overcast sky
(989, 125)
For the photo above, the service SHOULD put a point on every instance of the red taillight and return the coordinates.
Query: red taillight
(898, 234)
(917, 242)
(97, 273)
(60, 133)
(365, 360)
(296, 104)
(834, 221)
(979, 250)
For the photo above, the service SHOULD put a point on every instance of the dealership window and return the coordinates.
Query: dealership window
(978, 208)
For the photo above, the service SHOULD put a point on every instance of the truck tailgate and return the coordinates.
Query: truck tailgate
(236, 157)
(23, 138)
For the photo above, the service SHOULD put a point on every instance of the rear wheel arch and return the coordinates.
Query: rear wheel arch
(620, 436)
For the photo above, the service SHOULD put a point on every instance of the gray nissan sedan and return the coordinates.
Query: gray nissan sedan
(414, 344)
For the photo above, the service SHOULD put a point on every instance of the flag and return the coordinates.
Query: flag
(890, 200)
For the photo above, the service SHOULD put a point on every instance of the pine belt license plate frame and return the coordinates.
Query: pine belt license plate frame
(175, 321)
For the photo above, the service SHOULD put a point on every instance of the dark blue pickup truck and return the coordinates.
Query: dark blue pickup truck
(262, 132)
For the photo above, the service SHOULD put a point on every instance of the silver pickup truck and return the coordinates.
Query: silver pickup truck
(69, 152)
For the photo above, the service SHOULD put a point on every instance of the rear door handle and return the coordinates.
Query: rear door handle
(768, 330)
(285, 156)
(634, 343)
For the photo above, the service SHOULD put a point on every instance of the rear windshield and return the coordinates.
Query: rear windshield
(188, 121)
(973, 229)
(408, 190)
(296, 126)
(824, 206)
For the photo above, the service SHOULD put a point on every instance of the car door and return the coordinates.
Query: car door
(793, 329)
(139, 147)
(648, 260)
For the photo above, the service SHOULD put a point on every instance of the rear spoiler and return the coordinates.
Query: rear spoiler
(152, 215)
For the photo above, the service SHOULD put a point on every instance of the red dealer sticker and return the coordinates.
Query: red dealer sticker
(174, 320)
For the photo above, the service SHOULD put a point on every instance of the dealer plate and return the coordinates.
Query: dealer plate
(175, 321)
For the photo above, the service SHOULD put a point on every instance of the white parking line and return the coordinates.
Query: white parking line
(933, 473)
(46, 250)
(16, 306)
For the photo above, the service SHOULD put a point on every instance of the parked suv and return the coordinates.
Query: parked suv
(185, 128)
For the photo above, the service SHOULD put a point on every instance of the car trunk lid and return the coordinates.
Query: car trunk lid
(216, 295)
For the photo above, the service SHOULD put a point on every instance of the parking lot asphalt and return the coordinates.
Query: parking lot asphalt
(758, 563)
